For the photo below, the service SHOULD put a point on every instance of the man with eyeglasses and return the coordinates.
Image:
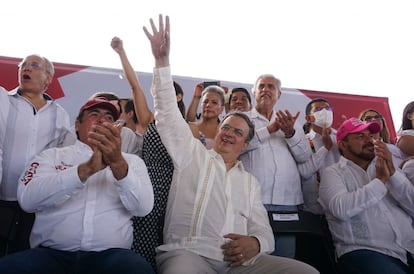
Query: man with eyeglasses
(368, 203)
(215, 220)
(30, 121)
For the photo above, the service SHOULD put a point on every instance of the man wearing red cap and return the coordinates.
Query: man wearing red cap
(368, 203)
(84, 196)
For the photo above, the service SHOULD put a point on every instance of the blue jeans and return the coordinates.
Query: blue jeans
(285, 245)
(43, 260)
(370, 262)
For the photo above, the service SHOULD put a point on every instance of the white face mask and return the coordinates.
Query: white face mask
(323, 118)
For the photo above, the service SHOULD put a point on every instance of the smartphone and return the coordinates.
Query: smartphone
(120, 122)
(211, 83)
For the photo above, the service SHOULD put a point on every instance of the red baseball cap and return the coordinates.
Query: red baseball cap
(100, 103)
(354, 125)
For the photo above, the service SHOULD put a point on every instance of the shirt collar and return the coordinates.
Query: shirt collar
(255, 114)
(19, 92)
(217, 156)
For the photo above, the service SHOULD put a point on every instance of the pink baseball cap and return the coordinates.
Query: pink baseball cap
(354, 125)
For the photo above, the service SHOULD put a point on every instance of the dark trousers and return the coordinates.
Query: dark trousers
(370, 262)
(15, 226)
(42, 260)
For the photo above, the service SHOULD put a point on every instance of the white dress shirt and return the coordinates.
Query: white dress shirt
(24, 132)
(90, 216)
(272, 159)
(206, 201)
(130, 142)
(140, 140)
(365, 213)
(320, 159)
(408, 169)
(397, 155)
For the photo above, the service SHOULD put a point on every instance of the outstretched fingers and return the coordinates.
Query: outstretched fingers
(160, 24)
(154, 30)
(160, 29)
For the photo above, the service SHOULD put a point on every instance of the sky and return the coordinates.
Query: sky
(363, 47)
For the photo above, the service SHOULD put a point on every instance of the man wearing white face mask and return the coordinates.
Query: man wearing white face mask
(322, 139)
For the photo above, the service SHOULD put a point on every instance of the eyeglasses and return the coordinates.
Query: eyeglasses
(237, 131)
(32, 65)
(373, 118)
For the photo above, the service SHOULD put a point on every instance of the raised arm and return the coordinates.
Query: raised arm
(192, 109)
(145, 116)
(160, 41)
(172, 127)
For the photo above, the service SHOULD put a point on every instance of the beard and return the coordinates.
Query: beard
(367, 156)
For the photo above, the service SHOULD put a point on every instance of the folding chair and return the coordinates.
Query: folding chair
(314, 242)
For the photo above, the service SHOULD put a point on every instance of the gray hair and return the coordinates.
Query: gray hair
(278, 82)
(49, 66)
(50, 69)
(215, 89)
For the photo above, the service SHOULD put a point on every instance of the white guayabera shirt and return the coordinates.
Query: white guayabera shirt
(365, 213)
(206, 201)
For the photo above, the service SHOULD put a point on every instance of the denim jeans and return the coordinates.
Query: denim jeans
(370, 262)
(43, 260)
(285, 245)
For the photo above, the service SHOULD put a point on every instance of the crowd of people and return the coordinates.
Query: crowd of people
(123, 189)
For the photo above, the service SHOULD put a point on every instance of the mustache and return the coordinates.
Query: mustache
(368, 145)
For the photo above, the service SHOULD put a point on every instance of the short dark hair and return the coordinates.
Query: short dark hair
(179, 90)
(309, 105)
(129, 106)
(246, 118)
(241, 90)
